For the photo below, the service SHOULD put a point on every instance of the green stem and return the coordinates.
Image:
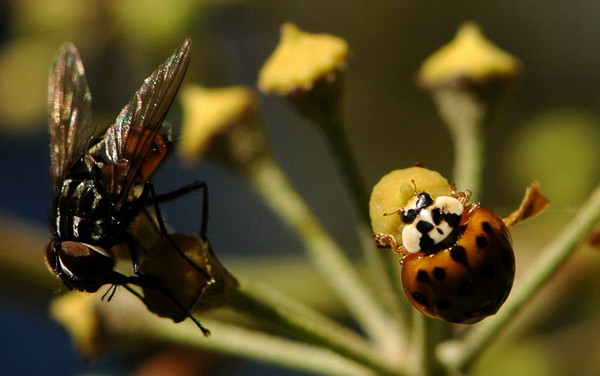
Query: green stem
(463, 114)
(277, 309)
(551, 259)
(421, 343)
(274, 350)
(270, 181)
(338, 140)
(323, 106)
(425, 336)
(385, 272)
(225, 338)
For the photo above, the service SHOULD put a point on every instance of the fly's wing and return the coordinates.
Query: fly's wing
(69, 112)
(137, 132)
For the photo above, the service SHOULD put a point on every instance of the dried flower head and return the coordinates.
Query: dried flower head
(186, 284)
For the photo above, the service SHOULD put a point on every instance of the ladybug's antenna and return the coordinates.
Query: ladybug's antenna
(414, 185)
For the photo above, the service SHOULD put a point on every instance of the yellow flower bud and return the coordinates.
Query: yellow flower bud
(394, 190)
(300, 60)
(77, 314)
(468, 58)
(210, 112)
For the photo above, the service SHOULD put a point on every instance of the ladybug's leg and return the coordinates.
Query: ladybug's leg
(383, 240)
(463, 197)
(468, 213)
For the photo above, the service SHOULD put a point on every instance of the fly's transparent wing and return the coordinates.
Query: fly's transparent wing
(69, 112)
(138, 128)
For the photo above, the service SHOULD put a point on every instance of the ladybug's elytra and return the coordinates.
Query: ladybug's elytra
(468, 278)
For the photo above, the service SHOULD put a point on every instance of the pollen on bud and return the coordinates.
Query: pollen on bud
(393, 191)
(211, 112)
(201, 282)
(301, 59)
(469, 58)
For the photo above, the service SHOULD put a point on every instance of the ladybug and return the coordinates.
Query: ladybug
(458, 262)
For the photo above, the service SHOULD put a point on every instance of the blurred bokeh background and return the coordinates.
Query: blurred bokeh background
(548, 129)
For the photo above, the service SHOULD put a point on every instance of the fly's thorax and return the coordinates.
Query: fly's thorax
(82, 211)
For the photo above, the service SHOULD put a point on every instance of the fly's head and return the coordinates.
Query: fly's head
(81, 266)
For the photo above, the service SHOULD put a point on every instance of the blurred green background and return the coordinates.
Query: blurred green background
(548, 129)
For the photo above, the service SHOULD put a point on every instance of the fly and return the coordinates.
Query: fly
(101, 175)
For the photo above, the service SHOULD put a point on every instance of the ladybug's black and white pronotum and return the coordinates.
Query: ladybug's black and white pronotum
(100, 174)
(429, 221)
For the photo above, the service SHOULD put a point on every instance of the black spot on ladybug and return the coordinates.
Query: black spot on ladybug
(460, 230)
(424, 200)
(487, 271)
(424, 227)
(507, 256)
(458, 254)
(436, 216)
(452, 219)
(420, 298)
(443, 304)
(422, 276)
(426, 242)
(487, 228)
(465, 288)
(481, 242)
(439, 274)
(408, 216)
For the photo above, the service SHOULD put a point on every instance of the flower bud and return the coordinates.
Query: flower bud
(223, 124)
(77, 313)
(300, 60)
(393, 191)
(469, 59)
(305, 68)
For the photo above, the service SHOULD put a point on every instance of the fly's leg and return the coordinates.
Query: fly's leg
(156, 199)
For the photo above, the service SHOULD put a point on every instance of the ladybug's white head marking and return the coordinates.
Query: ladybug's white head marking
(429, 221)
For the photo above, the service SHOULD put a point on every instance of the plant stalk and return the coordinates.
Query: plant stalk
(279, 310)
(340, 274)
(463, 113)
